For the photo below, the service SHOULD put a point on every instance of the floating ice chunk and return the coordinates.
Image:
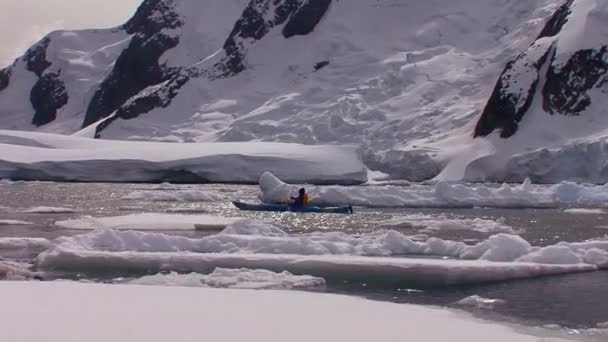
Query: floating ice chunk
(250, 227)
(234, 278)
(49, 210)
(256, 237)
(370, 270)
(14, 223)
(14, 271)
(170, 279)
(596, 256)
(501, 247)
(433, 223)
(552, 255)
(149, 221)
(177, 196)
(585, 211)
(442, 195)
(480, 302)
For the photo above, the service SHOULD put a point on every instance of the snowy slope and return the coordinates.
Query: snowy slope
(550, 102)
(405, 79)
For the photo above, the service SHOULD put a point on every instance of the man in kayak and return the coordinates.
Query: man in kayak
(302, 200)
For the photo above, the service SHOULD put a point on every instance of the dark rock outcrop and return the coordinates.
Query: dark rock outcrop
(306, 18)
(302, 16)
(49, 93)
(5, 78)
(155, 29)
(566, 83)
(557, 21)
(35, 57)
(320, 65)
(138, 65)
(566, 89)
(47, 96)
(159, 99)
(506, 108)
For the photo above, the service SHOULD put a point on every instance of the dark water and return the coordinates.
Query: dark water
(575, 301)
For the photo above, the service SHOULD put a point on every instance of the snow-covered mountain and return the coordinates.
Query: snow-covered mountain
(406, 80)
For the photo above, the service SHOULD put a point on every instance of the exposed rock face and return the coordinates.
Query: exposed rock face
(49, 93)
(138, 81)
(35, 57)
(306, 18)
(565, 84)
(567, 89)
(5, 78)
(138, 66)
(301, 16)
(557, 21)
(47, 96)
(514, 92)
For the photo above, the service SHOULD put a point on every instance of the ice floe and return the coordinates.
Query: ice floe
(149, 221)
(233, 278)
(585, 211)
(158, 314)
(369, 270)
(480, 302)
(442, 194)
(14, 223)
(49, 210)
(255, 245)
(246, 236)
(432, 223)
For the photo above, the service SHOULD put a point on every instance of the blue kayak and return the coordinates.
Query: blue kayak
(285, 207)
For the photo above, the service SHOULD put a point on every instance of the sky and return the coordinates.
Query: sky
(24, 22)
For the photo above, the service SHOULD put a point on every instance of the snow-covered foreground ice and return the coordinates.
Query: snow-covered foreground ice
(150, 221)
(442, 195)
(43, 156)
(185, 314)
(234, 279)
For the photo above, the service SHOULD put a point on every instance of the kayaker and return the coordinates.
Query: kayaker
(302, 199)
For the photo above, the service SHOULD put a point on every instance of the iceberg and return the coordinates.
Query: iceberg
(53, 157)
